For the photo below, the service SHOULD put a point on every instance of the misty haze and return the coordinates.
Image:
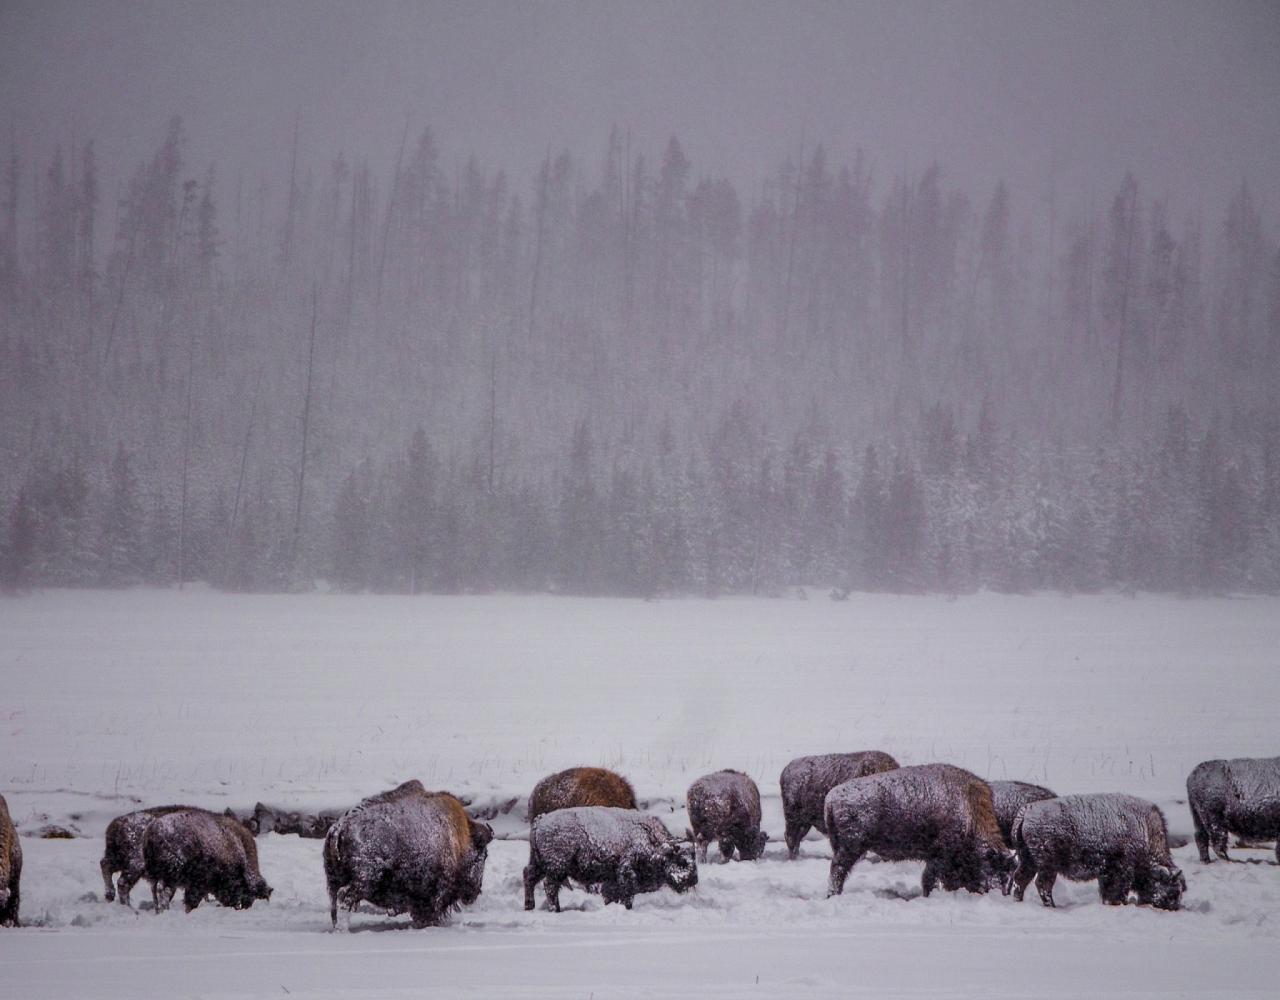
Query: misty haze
(464, 393)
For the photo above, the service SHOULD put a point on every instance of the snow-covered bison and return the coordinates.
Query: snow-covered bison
(10, 868)
(1009, 797)
(725, 807)
(806, 781)
(406, 850)
(622, 851)
(1240, 796)
(1118, 839)
(935, 813)
(580, 786)
(205, 854)
(123, 852)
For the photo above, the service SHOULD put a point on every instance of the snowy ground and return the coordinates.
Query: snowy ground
(111, 698)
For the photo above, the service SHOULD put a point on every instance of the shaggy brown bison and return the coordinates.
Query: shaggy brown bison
(406, 850)
(205, 854)
(10, 868)
(1118, 839)
(806, 781)
(580, 786)
(935, 813)
(1009, 797)
(123, 852)
(622, 851)
(1240, 796)
(725, 807)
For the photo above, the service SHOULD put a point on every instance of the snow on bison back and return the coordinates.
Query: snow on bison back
(935, 813)
(204, 853)
(623, 851)
(1118, 839)
(406, 850)
(10, 868)
(725, 807)
(580, 786)
(1240, 796)
(806, 781)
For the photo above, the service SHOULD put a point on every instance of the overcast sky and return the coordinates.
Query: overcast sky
(1185, 94)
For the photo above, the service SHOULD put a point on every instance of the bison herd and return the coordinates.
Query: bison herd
(409, 850)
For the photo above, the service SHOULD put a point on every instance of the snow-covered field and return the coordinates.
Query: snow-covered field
(108, 699)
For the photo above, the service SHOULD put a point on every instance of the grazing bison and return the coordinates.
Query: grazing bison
(580, 786)
(1009, 797)
(123, 851)
(725, 807)
(935, 813)
(1118, 839)
(622, 851)
(1240, 796)
(10, 868)
(806, 781)
(406, 850)
(205, 854)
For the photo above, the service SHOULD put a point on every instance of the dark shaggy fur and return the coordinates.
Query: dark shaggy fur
(725, 807)
(1009, 797)
(123, 851)
(204, 853)
(406, 850)
(581, 786)
(622, 851)
(1240, 796)
(1120, 840)
(935, 813)
(806, 781)
(10, 868)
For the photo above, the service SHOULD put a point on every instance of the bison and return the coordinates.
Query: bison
(123, 851)
(10, 868)
(806, 781)
(205, 854)
(1240, 796)
(725, 807)
(1009, 797)
(620, 850)
(935, 813)
(581, 786)
(406, 850)
(1118, 839)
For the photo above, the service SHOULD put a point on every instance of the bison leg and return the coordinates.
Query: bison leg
(929, 881)
(794, 834)
(1044, 886)
(1021, 877)
(552, 887)
(162, 895)
(1113, 885)
(191, 898)
(1218, 836)
(130, 877)
(1202, 835)
(532, 876)
(107, 872)
(423, 917)
(841, 861)
(701, 843)
(726, 851)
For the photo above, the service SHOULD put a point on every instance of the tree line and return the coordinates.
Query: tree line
(627, 379)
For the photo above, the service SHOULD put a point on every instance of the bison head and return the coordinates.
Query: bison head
(753, 850)
(1167, 887)
(472, 874)
(679, 866)
(997, 868)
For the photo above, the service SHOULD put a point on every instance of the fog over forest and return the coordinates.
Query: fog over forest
(292, 307)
